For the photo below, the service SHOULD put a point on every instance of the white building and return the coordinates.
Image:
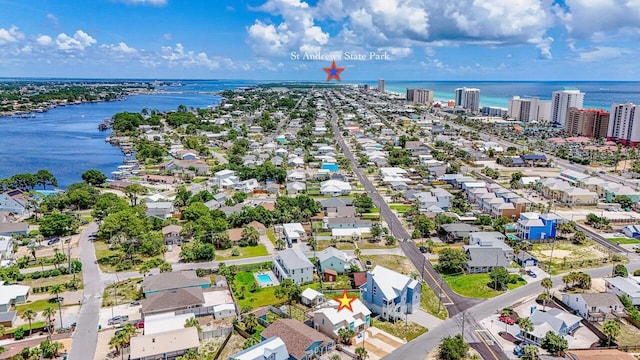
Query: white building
(381, 85)
(625, 286)
(293, 264)
(293, 232)
(271, 349)
(468, 98)
(624, 124)
(561, 101)
(329, 320)
(529, 109)
(6, 249)
(595, 307)
(420, 96)
(158, 323)
(335, 188)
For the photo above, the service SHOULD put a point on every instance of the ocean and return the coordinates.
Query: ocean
(66, 140)
(598, 94)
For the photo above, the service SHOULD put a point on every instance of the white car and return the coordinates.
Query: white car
(635, 246)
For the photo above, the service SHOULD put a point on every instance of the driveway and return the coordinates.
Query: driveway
(425, 319)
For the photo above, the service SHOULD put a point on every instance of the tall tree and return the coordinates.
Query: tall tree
(525, 324)
(250, 322)
(57, 289)
(547, 284)
(611, 329)
(361, 353)
(93, 177)
(554, 344)
(453, 348)
(133, 192)
(49, 313)
(452, 261)
(530, 352)
(289, 291)
(29, 315)
(44, 178)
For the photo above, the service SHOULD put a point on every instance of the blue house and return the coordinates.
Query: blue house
(534, 226)
(557, 321)
(334, 259)
(330, 166)
(390, 294)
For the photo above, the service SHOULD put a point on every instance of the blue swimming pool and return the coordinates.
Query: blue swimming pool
(264, 279)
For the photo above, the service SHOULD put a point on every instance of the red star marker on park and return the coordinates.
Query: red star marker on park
(345, 301)
(333, 72)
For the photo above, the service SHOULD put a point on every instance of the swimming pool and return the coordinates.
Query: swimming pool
(264, 279)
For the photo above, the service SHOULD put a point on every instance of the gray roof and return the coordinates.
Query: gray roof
(173, 299)
(8, 316)
(486, 257)
(173, 280)
(335, 202)
(331, 252)
(294, 259)
(600, 299)
(348, 220)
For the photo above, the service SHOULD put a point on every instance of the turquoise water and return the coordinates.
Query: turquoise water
(264, 279)
(598, 94)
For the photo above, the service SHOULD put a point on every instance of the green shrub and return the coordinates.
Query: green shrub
(19, 333)
(36, 275)
(636, 273)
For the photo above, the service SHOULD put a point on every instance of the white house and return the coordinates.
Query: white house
(270, 349)
(557, 321)
(12, 295)
(158, 323)
(329, 320)
(293, 264)
(595, 307)
(335, 188)
(224, 179)
(310, 297)
(13, 201)
(6, 249)
(293, 232)
(391, 294)
(625, 286)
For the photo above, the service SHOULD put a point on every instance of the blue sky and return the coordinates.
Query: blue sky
(268, 39)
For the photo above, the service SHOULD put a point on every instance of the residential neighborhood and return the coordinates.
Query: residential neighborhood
(237, 232)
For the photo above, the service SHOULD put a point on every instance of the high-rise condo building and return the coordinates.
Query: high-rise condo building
(587, 122)
(561, 101)
(381, 85)
(468, 98)
(421, 96)
(529, 109)
(624, 124)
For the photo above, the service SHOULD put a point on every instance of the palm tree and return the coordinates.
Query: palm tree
(313, 243)
(250, 322)
(531, 352)
(41, 262)
(57, 290)
(525, 324)
(546, 284)
(345, 335)
(280, 243)
(362, 353)
(193, 322)
(49, 312)
(191, 354)
(611, 329)
(335, 357)
(356, 253)
(29, 315)
(118, 341)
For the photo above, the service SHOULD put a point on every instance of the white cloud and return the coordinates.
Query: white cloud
(53, 18)
(145, 2)
(374, 24)
(44, 40)
(11, 35)
(600, 53)
(585, 18)
(167, 36)
(120, 48)
(79, 41)
(179, 56)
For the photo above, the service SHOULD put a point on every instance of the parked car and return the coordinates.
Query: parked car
(53, 240)
(138, 324)
(532, 274)
(506, 320)
(368, 264)
(134, 303)
(423, 249)
(116, 320)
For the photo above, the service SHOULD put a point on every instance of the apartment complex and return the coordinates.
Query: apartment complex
(420, 96)
(562, 101)
(587, 122)
(623, 124)
(468, 98)
(381, 85)
(529, 109)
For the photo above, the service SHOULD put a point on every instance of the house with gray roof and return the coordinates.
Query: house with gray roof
(173, 300)
(173, 280)
(334, 259)
(484, 259)
(390, 294)
(627, 286)
(595, 307)
(293, 264)
(557, 321)
(457, 232)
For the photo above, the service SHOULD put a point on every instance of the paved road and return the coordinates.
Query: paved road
(85, 337)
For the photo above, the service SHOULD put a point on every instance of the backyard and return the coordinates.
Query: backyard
(565, 255)
(475, 285)
(113, 260)
(629, 334)
(400, 329)
(122, 292)
(262, 296)
(397, 263)
(245, 252)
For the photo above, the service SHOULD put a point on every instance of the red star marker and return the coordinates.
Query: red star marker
(333, 72)
(344, 300)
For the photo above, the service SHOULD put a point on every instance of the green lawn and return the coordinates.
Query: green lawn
(123, 292)
(430, 303)
(245, 252)
(271, 236)
(375, 245)
(475, 285)
(408, 331)
(34, 325)
(624, 240)
(36, 306)
(401, 208)
(261, 297)
(323, 244)
(53, 280)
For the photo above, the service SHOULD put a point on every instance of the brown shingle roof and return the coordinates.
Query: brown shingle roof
(296, 335)
(235, 234)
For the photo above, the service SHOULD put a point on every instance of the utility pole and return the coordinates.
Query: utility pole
(462, 325)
